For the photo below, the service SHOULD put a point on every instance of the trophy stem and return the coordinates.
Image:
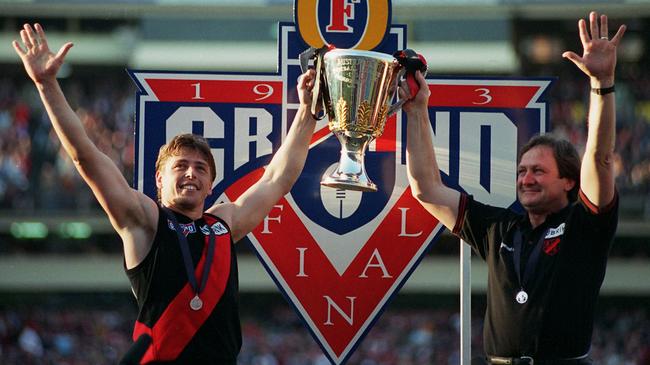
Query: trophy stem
(350, 174)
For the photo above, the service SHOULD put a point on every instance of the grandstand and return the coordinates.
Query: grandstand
(64, 298)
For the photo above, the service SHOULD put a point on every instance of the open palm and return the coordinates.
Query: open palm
(599, 52)
(40, 63)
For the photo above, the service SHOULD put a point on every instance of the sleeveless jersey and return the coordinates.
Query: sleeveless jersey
(179, 334)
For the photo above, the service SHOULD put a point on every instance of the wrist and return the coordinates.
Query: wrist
(416, 114)
(304, 112)
(45, 84)
(603, 90)
(603, 83)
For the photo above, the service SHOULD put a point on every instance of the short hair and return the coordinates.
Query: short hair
(189, 141)
(566, 156)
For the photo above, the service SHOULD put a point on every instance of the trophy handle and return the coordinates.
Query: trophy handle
(319, 93)
(398, 105)
(411, 62)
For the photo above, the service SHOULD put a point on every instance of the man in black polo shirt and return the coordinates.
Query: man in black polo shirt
(545, 267)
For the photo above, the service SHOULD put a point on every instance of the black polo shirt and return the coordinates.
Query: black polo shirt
(565, 278)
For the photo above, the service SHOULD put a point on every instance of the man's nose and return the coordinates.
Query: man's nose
(527, 177)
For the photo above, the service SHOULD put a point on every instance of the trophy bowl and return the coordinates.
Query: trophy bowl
(359, 88)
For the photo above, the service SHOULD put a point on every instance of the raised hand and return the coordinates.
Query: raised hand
(305, 85)
(40, 63)
(421, 99)
(598, 59)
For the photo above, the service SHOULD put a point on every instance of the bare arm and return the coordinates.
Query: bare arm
(598, 62)
(281, 173)
(132, 214)
(423, 172)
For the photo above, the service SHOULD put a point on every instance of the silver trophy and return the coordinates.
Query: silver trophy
(357, 88)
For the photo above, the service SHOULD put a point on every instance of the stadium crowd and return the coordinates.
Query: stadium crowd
(78, 336)
(35, 172)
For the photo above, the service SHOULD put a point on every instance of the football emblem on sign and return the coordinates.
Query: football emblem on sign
(340, 203)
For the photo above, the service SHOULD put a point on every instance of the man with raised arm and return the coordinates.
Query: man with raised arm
(546, 266)
(179, 257)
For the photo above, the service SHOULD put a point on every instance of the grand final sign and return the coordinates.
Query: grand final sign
(339, 256)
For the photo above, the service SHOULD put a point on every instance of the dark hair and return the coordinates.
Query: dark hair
(566, 157)
(190, 141)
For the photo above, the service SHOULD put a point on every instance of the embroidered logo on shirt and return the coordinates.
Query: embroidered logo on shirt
(185, 228)
(552, 240)
(218, 229)
(551, 246)
(554, 232)
(503, 245)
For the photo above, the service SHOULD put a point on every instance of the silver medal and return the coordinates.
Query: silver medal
(196, 303)
(522, 297)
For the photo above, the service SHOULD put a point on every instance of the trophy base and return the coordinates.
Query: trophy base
(342, 182)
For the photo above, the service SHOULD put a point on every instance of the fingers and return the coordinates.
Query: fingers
(572, 56)
(598, 31)
(584, 35)
(593, 25)
(33, 39)
(422, 82)
(423, 92)
(403, 94)
(63, 51)
(41, 34)
(604, 33)
(31, 35)
(619, 34)
(306, 80)
(21, 52)
(25, 39)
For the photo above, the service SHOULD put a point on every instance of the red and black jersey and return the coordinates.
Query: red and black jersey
(179, 334)
(571, 248)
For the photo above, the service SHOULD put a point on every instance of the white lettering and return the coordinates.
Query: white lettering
(554, 232)
(182, 120)
(244, 138)
(331, 304)
(278, 219)
(379, 264)
(501, 163)
(403, 227)
(301, 265)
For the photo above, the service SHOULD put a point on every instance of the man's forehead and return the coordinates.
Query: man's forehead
(189, 155)
(538, 155)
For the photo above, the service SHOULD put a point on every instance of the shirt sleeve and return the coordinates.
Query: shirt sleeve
(476, 223)
(601, 222)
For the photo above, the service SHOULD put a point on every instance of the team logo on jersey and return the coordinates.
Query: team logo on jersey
(555, 232)
(217, 228)
(551, 246)
(552, 240)
(185, 228)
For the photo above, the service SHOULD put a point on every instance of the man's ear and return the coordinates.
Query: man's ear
(569, 184)
(158, 180)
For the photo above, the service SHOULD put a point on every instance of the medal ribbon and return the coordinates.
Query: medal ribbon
(187, 258)
(533, 259)
(176, 326)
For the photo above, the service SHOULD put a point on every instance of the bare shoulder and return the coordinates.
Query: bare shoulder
(226, 212)
(140, 213)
